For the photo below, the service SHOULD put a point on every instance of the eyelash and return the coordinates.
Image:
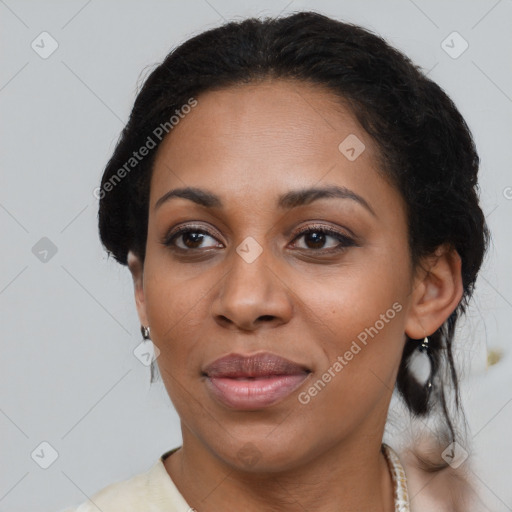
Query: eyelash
(345, 241)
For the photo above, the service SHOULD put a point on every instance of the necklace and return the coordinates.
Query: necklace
(399, 479)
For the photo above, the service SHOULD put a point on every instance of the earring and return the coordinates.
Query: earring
(145, 332)
(424, 349)
(421, 366)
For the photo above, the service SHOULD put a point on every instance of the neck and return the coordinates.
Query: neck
(351, 476)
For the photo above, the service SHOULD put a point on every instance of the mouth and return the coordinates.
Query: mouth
(253, 382)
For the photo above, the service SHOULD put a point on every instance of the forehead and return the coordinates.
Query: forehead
(267, 138)
(274, 114)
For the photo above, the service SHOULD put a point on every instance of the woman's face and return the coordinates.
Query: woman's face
(259, 274)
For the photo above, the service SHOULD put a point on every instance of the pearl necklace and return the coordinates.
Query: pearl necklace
(399, 479)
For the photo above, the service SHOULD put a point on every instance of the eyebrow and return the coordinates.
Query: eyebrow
(289, 200)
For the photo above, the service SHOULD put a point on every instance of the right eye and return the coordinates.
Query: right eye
(191, 238)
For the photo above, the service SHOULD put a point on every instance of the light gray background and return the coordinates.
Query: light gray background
(69, 326)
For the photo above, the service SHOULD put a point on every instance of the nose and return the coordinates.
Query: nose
(252, 295)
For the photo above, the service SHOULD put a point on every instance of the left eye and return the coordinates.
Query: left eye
(315, 238)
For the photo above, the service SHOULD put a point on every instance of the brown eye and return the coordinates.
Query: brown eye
(189, 238)
(316, 238)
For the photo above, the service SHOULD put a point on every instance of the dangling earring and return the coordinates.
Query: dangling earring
(424, 349)
(421, 365)
(145, 332)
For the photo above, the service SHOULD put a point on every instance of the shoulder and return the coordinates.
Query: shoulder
(127, 495)
(438, 489)
(150, 490)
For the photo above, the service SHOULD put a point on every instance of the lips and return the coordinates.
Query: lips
(253, 382)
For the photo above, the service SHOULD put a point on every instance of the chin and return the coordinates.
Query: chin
(260, 455)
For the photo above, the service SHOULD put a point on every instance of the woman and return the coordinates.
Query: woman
(297, 204)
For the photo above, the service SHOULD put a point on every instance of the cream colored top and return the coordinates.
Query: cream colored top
(154, 491)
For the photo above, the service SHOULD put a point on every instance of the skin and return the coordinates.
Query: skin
(248, 145)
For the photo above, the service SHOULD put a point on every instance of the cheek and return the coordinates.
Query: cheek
(362, 310)
(354, 297)
(175, 308)
(362, 342)
(178, 306)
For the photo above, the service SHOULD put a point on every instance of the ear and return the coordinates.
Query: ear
(137, 269)
(437, 291)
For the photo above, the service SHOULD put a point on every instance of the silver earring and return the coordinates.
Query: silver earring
(421, 365)
(424, 348)
(145, 332)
